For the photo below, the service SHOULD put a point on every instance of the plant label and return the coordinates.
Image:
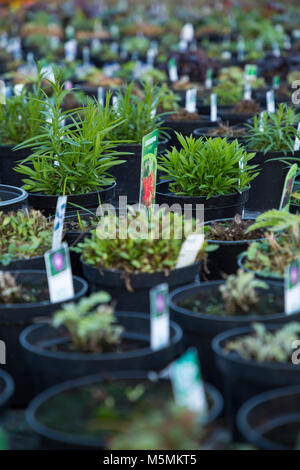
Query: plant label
(213, 107)
(261, 121)
(187, 32)
(248, 90)
(275, 49)
(250, 72)
(151, 54)
(148, 169)
(160, 318)
(187, 383)
(59, 222)
(209, 79)
(241, 49)
(68, 85)
(191, 100)
(292, 288)
(276, 82)
(18, 88)
(59, 274)
(71, 50)
(270, 98)
(100, 94)
(173, 72)
(288, 188)
(297, 139)
(190, 249)
(2, 92)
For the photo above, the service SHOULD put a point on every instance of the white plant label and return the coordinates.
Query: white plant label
(241, 49)
(173, 72)
(100, 95)
(250, 72)
(209, 79)
(2, 92)
(190, 249)
(59, 274)
(160, 318)
(191, 100)
(187, 32)
(59, 222)
(187, 383)
(213, 107)
(276, 50)
(292, 288)
(248, 90)
(71, 50)
(18, 88)
(261, 122)
(270, 98)
(297, 139)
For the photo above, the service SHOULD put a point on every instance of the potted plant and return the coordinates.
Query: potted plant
(222, 129)
(268, 258)
(89, 338)
(255, 359)
(24, 297)
(72, 159)
(7, 387)
(103, 406)
(127, 262)
(273, 141)
(205, 310)
(280, 427)
(206, 171)
(231, 238)
(12, 198)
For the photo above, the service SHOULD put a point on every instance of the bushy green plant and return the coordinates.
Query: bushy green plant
(140, 243)
(24, 235)
(228, 93)
(239, 292)
(266, 346)
(21, 117)
(90, 323)
(207, 167)
(278, 132)
(69, 158)
(169, 100)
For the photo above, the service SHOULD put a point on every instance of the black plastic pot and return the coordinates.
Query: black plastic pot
(244, 379)
(52, 367)
(241, 264)
(199, 329)
(47, 204)
(114, 282)
(8, 160)
(12, 198)
(217, 207)
(7, 387)
(14, 318)
(224, 259)
(55, 439)
(128, 174)
(271, 420)
(266, 188)
(203, 131)
(234, 118)
(37, 263)
(294, 208)
(185, 128)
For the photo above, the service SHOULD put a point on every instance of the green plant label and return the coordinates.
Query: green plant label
(292, 288)
(173, 72)
(2, 92)
(149, 169)
(209, 79)
(190, 249)
(297, 139)
(59, 274)
(191, 100)
(276, 82)
(270, 98)
(213, 107)
(160, 322)
(59, 222)
(187, 382)
(250, 72)
(288, 188)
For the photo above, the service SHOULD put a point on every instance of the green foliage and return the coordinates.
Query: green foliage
(21, 117)
(207, 167)
(138, 243)
(239, 292)
(278, 221)
(24, 235)
(264, 345)
(69, 158)
(135, 110)
(228, 93)
(169, 99)
(90, 323)
(278, 133)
